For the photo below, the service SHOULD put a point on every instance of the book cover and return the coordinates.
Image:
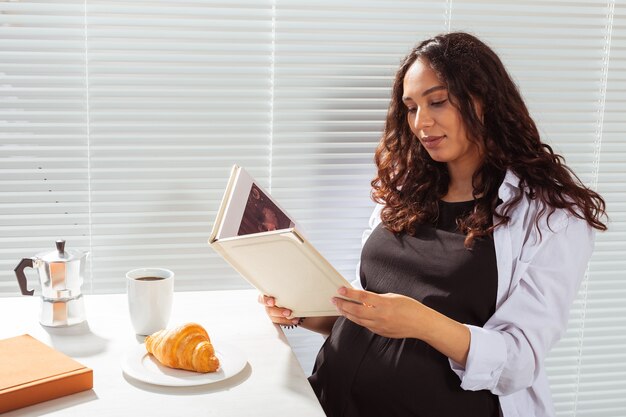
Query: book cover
(262, 242)
(32, 372)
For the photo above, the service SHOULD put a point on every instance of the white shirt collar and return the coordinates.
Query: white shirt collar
(509, 187)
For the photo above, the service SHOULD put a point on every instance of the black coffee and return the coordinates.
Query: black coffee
(150, 278)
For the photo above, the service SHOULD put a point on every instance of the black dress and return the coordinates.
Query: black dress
(359, 373)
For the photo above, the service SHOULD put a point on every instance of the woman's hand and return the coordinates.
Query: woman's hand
(398, 316)
(277, 314)
(389, 315)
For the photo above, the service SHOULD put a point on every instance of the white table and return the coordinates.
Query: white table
(271, 384)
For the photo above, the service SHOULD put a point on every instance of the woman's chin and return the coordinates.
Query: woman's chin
(438, 156)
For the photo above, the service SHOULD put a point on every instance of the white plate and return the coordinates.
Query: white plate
(142, 366)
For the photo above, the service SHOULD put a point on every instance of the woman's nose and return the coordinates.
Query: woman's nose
(423, 119)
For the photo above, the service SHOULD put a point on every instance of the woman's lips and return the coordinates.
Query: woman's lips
(432, 141)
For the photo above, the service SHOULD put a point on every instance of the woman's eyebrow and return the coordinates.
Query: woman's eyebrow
(432, 89)
(427, 92)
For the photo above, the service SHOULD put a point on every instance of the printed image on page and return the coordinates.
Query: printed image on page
(261, 214)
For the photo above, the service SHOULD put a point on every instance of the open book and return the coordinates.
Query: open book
(262, 242)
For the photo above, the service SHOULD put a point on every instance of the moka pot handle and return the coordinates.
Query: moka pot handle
(21, 277)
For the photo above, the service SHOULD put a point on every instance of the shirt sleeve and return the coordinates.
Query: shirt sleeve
(508, 352)
(373, 222)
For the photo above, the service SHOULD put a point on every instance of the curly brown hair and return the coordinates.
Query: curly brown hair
(410, 183)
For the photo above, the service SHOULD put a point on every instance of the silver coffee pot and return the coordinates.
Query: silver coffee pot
(61, 274)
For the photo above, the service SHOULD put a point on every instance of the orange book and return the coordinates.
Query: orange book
(32, 372)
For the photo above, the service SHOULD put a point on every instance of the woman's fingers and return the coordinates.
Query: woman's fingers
(352, 310)
(266, 300)
(278, 312)
(389, 315)
(278, 315)
(360, 295)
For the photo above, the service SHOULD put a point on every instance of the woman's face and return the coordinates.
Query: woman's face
(434, 120)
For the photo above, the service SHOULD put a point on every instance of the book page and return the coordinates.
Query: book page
(250, 209)
(261, 214)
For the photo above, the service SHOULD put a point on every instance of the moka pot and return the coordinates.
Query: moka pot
(61, 275)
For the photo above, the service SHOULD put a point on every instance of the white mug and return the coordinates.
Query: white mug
(150, 294)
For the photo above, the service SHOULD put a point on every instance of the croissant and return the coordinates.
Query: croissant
(185, 347)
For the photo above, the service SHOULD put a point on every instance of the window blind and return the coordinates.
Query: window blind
(44, 191)
(601, 384)
(178, 92)
(120, 121)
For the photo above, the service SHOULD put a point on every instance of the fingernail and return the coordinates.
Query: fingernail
(270, 302)
(342, 291)
(295, 321)
(333, 300)
(286, 313)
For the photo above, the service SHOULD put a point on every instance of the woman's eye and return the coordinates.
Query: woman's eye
(438, 103)
(411, 109)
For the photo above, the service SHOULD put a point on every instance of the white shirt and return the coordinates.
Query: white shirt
(537, 284)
